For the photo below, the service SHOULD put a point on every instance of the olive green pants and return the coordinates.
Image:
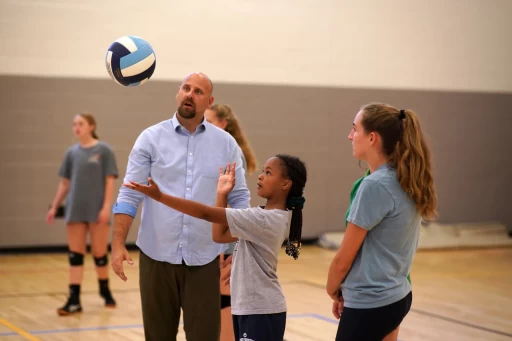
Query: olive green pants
(167, 288)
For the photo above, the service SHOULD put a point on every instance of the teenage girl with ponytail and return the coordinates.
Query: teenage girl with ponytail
(258, 303)
(368, 277)
(87, 173)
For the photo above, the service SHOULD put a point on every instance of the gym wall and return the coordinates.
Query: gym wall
(296, 73)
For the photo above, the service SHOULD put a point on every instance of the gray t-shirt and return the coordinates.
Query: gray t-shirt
(378, 276)
(255, 287)
(87, 169)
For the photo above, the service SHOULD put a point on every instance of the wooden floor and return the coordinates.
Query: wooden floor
(458, 295)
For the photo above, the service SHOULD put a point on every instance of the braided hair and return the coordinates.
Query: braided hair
(295, 170)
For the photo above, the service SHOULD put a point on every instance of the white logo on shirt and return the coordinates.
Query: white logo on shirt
(94, 158)
(245, 338)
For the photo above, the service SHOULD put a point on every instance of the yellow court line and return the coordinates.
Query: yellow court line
(21, 332)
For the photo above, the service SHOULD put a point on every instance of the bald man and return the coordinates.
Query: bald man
(178, 261)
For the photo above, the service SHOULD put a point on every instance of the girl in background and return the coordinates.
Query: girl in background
(87, 176)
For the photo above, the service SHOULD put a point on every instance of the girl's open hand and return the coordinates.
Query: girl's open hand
(150, 190)
(226, 179)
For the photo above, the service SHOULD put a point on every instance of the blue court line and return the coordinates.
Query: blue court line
(132, 326)
(323, 318)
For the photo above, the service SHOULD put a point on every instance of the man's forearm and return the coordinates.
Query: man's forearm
(122, 224)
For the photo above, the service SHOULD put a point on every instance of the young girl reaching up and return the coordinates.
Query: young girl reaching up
(258, 303)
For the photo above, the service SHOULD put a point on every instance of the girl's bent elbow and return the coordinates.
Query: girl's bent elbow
(217, 239)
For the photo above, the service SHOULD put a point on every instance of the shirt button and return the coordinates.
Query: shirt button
(180, 244)
(189, 171)
(188, 189)
(189, 153)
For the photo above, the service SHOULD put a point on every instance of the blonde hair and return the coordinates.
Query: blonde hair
(224, 112)
(92, 121)
(403, 142)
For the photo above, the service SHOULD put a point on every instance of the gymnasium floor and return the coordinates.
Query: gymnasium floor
(458, 295)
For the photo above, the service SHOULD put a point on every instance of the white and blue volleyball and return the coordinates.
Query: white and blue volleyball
(130, 61)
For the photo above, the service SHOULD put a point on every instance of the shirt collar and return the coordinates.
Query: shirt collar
(179, 128)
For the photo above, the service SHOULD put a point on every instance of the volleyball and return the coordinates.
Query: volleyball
(130, 61)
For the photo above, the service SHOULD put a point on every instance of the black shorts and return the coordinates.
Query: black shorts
(372, 324)
(225, 300)
(264, 327)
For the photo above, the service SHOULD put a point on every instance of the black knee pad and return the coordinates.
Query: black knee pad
(101, 261)
(75, 258)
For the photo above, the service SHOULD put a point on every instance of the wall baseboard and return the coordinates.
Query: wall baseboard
(64, 248)
(51, 249)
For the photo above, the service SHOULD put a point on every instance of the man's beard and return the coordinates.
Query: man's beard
(186, 112)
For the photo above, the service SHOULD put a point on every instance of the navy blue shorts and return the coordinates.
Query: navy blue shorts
(264, 327)
(372, 324)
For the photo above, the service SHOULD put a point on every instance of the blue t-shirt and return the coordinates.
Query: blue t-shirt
(378, 276)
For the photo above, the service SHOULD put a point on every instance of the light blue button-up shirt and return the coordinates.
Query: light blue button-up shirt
(184, 165)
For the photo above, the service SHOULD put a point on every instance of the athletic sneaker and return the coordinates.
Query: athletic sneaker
(71, 307)
(107, 295)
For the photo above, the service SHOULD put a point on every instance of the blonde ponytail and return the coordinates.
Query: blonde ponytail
(404, 143)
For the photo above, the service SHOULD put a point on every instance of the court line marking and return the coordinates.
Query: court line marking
(59, 293)
(304, 282)
(133, 326)
(467, 324)
(95, 292)
(426, 313)
(17, 330)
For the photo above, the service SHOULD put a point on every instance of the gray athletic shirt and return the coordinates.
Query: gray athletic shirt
(254, 284)
(87, 169)
(378, 276)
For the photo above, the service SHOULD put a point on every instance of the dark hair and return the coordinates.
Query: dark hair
(405, 146)
(295, 170)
